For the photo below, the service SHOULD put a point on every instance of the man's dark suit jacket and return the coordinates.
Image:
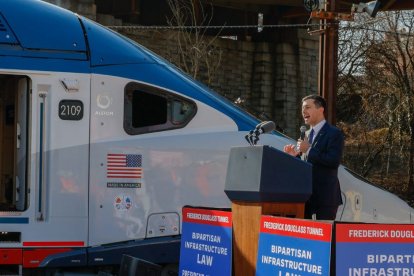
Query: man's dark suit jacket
(325, 156)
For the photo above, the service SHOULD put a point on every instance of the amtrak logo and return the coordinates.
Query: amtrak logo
(103, 102)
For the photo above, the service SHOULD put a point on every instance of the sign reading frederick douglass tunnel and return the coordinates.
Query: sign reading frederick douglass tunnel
(206, 243)
(291, 247)
(374, 249)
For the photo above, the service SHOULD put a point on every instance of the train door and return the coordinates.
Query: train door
(14, 99)
(22, 122)
(59, 172)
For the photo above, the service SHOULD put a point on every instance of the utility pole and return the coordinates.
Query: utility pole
(328, 62)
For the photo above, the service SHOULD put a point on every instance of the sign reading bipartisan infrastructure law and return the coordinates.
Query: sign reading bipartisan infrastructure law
(290, 247)
(374, 249)
(206, 242)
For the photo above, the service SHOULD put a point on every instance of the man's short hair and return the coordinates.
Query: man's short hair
(318, 100)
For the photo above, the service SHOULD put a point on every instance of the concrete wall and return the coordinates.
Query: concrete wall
(270, 77)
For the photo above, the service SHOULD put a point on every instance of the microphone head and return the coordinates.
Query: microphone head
(302, 132)
(259, 125)
(268, 126)
(303, 129)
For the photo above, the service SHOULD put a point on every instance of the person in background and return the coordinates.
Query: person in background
(322, 146)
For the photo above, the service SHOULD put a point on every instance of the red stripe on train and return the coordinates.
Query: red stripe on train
(54, 243)
(10, 256)
(34, 257)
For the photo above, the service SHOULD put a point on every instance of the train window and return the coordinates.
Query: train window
(181, 111)
(149, 109)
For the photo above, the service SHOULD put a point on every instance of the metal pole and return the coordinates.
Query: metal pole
(328, 62)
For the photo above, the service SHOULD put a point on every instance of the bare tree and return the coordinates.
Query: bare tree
(198, 54)
(379, 68)
(394, 58)
(355, 105)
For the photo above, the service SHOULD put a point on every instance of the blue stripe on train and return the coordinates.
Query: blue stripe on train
(14, 220)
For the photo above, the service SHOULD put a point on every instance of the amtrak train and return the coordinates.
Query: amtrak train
(102, 143)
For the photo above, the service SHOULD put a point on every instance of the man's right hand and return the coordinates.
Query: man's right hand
(291, 149)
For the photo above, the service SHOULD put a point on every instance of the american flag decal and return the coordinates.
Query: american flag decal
(124, 166)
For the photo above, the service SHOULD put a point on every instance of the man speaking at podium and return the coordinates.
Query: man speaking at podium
(322, 146)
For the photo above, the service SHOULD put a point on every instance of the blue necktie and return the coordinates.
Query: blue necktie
(312, 132)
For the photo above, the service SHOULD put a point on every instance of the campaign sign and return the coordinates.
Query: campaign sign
(291, 247)
(206, 243)
(374, 249)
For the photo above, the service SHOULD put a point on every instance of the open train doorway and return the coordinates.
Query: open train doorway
(14, 150)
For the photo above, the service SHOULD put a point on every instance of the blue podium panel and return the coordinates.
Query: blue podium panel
(375, 249)
(266, 174)
(290, 247)
(206, 242)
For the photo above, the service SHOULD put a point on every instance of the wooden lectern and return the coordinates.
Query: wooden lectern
(262, 180)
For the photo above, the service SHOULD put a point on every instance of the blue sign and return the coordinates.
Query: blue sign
(374, 249)
(291, 247)
(206, 243)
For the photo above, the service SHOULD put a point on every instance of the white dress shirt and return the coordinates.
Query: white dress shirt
(316, 130)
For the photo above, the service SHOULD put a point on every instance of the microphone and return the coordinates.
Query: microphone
(249, 136)
(302, 132)
(265, 127)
